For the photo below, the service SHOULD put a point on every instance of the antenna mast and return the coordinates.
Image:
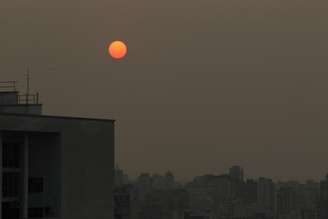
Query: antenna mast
(27, 85)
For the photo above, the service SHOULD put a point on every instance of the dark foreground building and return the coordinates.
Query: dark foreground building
(53, 167)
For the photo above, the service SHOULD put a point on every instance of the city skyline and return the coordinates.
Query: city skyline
(205, 85)
(128, 178)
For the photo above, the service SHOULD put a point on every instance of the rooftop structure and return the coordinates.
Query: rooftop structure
(53, 167)
(11, 101)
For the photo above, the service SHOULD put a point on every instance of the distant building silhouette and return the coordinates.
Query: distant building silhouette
(123, 202)
(121, 178)
(323, 212)
(286, 202)
(250, 191)
(53, 167)
(236, 172)
(266, 195)
(198, 214)
(222, 197)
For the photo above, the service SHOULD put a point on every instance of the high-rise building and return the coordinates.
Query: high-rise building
(121, 178)
(123, 202)
(53, 166)
(236, 172)
(250, 191)
(266, 194)
(286, 201)
(170, 180)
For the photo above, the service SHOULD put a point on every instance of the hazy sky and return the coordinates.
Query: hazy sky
(206, 84)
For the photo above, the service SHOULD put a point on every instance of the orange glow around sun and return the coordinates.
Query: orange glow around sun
(117, 49)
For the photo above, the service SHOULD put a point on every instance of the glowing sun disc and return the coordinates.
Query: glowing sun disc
(117, 49)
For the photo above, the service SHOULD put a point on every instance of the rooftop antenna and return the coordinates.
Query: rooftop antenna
(27, 85)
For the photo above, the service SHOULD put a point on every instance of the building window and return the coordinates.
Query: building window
(40, 212)
(48, 212)
(10, 155)
(35, 213)
(10, 184)
(35, 185)
(10, 210)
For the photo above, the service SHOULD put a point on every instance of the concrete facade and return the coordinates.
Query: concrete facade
(76, 158)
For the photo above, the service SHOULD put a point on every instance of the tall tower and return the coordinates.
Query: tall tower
(236, 172)
(266, 194)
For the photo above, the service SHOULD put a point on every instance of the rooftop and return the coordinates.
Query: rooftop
(12, 103)
(55, 117)
(10, 87)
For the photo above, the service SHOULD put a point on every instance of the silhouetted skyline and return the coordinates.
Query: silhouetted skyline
(205, 85)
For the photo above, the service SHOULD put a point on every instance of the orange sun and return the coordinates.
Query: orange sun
(117, 49)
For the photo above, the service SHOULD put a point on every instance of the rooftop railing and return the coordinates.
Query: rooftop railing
(11, 86)
(8, 86)
(28, 98)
